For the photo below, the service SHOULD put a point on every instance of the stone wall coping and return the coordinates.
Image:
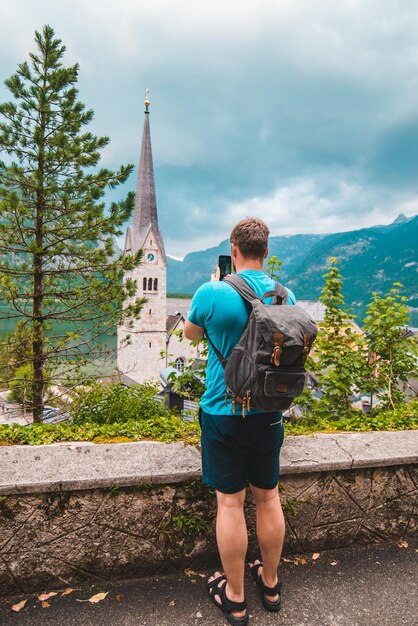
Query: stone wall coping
(76, 466)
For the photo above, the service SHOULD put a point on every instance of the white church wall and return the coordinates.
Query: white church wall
(181, 349)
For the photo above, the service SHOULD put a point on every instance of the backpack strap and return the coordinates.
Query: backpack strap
(279, 294)
(221, 359)
(241, 285)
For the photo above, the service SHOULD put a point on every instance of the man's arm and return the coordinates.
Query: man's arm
(192, 332)
(198, 311)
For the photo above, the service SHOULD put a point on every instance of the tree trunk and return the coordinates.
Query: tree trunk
(38, 321)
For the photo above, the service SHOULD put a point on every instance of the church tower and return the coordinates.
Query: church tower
(141, 360)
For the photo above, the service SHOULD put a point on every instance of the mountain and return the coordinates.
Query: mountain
(187, 275)
(371, 259)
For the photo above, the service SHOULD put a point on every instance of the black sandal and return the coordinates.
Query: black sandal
(266, 591)
(226, 605)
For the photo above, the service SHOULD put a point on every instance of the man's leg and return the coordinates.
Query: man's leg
(232, 539)
(270, 533)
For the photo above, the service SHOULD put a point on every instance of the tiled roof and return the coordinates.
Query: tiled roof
(172, 321)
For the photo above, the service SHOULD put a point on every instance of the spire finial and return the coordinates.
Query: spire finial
(147, 102)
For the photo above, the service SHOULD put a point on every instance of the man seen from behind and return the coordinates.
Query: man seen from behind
(238, 452)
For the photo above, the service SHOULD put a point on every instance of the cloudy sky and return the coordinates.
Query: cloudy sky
(304, 113)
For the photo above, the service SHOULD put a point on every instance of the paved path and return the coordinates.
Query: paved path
(369, 586)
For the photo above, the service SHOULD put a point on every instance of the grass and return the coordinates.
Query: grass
(167, 430)
(169, 427)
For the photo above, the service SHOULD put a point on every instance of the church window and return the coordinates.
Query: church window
(180, 363)
(149, 284)
(150, 242)
(149, 344)
(144, 284)
(155, 284)
(150, 311)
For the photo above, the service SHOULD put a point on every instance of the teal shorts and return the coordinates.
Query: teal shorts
(237, 451)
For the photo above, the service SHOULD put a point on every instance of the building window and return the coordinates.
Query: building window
(149, 284)
(149, 345)
(155, 284)
(150, 242)
(144, 284)
(180, 363)
(150, 311)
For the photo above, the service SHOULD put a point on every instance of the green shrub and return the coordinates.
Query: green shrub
(403, 417)
(107, 404)
(166, 429)
(21, 385)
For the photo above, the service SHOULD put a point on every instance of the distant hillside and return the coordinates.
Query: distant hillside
(371, 259)
(187, 275)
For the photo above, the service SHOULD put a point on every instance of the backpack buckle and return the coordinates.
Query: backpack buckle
(275, 356)
(277, 350)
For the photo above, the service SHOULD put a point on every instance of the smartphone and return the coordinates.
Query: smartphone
(225, 265)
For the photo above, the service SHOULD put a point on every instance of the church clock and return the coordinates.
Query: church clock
(151, 256)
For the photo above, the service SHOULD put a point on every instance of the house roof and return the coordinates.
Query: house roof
(172, 321)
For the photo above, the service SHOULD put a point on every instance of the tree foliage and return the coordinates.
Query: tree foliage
(393, 352)
(339, 350)
(58, 267)
(274, 267)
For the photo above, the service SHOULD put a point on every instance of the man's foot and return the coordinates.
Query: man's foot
(233, 607)
(270, 590)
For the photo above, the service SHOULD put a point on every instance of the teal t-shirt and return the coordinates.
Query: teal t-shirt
(223, 313)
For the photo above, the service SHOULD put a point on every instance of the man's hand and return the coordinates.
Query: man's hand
(216, 275)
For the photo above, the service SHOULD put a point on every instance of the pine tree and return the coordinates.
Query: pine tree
(340, 351)
(393, 353)
(57, 258)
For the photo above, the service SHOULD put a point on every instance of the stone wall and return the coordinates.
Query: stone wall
(74, 512)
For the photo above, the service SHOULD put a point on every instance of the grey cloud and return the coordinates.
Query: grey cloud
(275, 107)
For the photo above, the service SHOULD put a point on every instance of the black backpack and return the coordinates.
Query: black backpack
(266, 369)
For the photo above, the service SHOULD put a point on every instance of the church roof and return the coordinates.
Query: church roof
(145, 216)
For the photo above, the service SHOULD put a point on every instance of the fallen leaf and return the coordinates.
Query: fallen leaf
(190, 572)
(193, 581)
(46, 596)
(303, 561)
(315, 556)
(67, 592)
(333, 562)
(202, 575)
(19, 606)
(287, 560)
(403, 544)
(45, 604)
(119, 597)
(296, 562)
(199, 614)
(172, 603)
(98, 597)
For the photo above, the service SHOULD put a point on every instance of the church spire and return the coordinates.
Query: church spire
(145, 214)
